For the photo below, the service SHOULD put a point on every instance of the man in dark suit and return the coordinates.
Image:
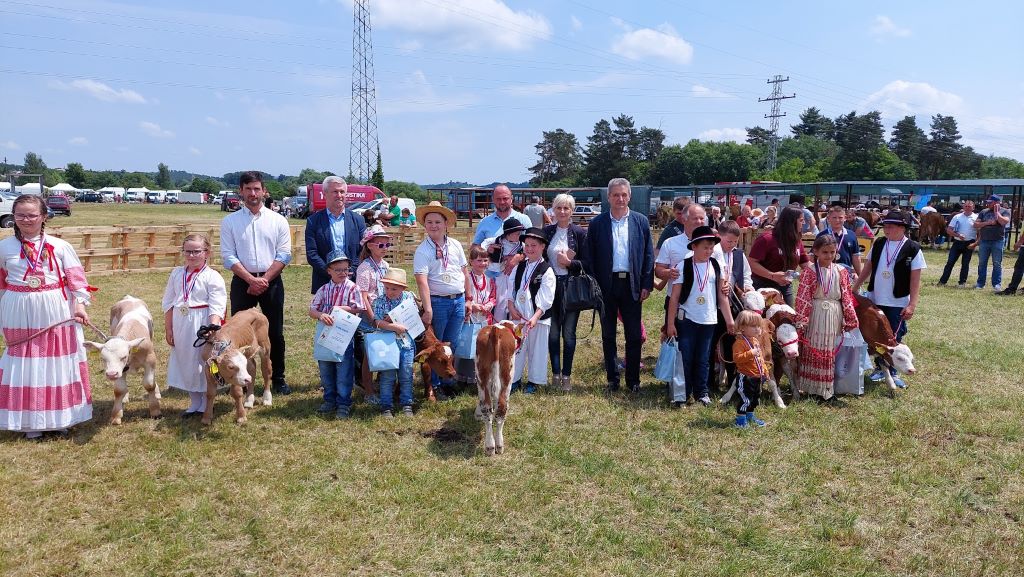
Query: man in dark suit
(332, 229)
(621, 259)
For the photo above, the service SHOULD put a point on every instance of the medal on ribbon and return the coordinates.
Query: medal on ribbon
(891, 257)
(188, 283)
(33, 276)
(702, 282)
(757, 356)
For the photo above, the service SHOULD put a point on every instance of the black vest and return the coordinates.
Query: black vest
(900, 268)
(534, 282)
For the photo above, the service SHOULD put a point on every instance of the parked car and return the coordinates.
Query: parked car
(89, 196)
(59, 205)
(231, 202)
(583, 213)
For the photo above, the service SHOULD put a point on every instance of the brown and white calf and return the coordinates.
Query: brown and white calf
(495, 351)
(129, 348)
(434, 355)
(230, 354)
(882, 345)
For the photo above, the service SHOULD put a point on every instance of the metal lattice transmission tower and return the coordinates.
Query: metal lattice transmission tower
(776, 97)
(364, 147)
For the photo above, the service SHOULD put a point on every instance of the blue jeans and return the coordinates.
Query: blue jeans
(695, 346)
(449, 315)
(563, 330)
(404, 375)
(993, 248)
(336, 379)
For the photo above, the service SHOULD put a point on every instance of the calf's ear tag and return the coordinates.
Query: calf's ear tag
(880, 349)
(213, 369)
(135, 349)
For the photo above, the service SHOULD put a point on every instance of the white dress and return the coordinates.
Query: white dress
(206, 297)
(44, 382)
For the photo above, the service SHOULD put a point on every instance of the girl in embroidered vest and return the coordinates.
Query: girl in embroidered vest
(44, 380)
(529, 296)
(825, 310)
(195, 296)
(893, 271)
(480, 302)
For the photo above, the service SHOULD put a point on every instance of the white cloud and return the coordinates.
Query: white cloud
(575, 23)
(723, 135)
(884, 27)
(9, 145)
(663, 43)
(100, 91)
(699, 91)
(153, 129)
(999, 135)
(78, 141)
(195, 151)
(218, 123)
(552, 88)
(900, 98)
(464, 23)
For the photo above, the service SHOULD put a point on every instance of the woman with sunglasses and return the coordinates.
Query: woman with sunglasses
(44, 377)
(375, 242)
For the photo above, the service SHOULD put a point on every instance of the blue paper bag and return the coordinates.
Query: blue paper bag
(381, 351)
(666, 367)
(465, 346)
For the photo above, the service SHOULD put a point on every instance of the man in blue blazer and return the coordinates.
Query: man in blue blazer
(620, 256)
(333, 228)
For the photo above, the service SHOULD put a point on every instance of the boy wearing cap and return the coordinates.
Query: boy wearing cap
(395, 294)
(991, 226)
(528, 297)
(336, 371)
(893, 271)
(692, 315)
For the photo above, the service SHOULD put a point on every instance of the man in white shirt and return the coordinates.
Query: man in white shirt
(962, 233)
(256, 244)
(675, 250)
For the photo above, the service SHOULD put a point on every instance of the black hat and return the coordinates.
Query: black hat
(511, 224)
(897, 217)
(703, 233)
(535, 233)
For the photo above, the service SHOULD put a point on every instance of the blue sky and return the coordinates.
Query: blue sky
(465, 87)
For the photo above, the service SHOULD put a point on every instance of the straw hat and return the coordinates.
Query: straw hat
(757, 213)
(394, 276)
(435, 206)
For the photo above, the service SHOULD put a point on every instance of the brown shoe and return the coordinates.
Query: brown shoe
(566, 382)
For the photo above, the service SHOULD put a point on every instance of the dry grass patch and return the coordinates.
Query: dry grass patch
(927, 483)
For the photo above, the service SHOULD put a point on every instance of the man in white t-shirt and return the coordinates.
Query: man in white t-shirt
(962, 234)
(893, 270)
(675, 249)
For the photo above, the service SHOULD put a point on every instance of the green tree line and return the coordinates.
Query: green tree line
(849, 147)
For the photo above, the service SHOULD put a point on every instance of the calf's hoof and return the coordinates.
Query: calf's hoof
(206, 422)
(499, 450)
(241, 420)
(115, 420)
(780, 403)
(489, 451)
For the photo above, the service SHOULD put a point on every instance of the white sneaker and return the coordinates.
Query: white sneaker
(998, 288)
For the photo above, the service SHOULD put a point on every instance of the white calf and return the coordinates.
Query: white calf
(129, 348)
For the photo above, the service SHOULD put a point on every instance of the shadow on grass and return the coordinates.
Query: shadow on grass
(457, 437)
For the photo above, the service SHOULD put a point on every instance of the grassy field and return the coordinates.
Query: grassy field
(927, 483)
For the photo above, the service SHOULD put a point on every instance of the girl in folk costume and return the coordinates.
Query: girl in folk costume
(691, 314)
(44, 378)
(530, 294)
(825, 308)
(480, 301)
(371, 269)
(195, 296)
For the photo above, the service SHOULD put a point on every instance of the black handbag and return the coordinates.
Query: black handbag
(582, 294)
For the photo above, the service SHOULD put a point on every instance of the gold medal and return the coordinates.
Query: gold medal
(701, 300)
(446, 278)
(824, 305)
(183, 309)
(33, 282)
(886, 274)
(522, 297)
